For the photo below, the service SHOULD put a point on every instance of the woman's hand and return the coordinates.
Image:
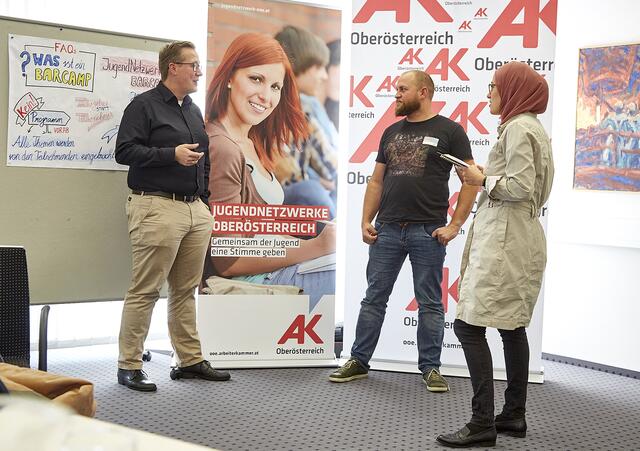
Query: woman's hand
(446, 234)
(473, 175)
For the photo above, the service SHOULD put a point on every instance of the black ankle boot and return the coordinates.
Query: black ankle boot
(514, 427)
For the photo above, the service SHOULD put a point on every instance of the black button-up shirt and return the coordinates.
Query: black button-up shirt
(152, 126)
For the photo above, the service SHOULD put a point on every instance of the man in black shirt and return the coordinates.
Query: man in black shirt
(163, 141)
(409, 192)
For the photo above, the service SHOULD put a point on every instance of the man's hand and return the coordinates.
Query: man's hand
(446, 233)
(186, 156)
(369, 233)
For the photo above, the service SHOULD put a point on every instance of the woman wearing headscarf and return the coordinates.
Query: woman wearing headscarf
(505, 254)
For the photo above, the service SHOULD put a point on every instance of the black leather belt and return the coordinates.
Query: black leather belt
(179, 197)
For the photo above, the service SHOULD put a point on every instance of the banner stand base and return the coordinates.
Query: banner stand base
(536, 377)
(273, 364)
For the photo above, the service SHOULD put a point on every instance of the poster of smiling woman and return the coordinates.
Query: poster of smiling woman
(269, 283)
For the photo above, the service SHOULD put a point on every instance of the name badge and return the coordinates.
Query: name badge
(430, 141)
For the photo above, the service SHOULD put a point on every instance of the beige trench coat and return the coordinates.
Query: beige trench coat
(506, 252)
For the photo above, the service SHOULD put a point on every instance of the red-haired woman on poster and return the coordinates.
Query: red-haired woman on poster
(505, 254)
(253, 111)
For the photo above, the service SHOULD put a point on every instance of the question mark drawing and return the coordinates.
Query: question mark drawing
(24, 54)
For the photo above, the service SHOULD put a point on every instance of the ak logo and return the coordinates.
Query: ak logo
(443, 64)
(447, 290)
(402, 8)
(299, 328)
(481, 14)
(508, 23)
(465, 26)
(522, 18)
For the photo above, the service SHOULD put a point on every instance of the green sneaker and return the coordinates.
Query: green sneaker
(349, 371)
(435, 382)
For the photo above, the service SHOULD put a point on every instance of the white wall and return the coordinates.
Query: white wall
(592, 303)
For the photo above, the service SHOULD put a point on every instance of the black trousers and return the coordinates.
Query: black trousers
(476, 352)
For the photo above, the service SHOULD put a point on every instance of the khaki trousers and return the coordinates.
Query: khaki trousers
(169, 241)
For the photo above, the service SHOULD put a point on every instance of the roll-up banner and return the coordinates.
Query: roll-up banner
(268, 292)
(460, 44)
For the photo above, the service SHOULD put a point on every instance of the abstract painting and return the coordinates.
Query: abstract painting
(607, 154)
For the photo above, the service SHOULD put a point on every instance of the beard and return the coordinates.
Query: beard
(407, 107)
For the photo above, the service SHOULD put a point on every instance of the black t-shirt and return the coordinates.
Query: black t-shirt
(416, 179)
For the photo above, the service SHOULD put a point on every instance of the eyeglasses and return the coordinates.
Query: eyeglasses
(194, 65)
(491, 86)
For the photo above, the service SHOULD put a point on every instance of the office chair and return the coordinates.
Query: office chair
(14, 311)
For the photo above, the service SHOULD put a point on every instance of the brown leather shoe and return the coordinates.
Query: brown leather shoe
(135, 380)
(201, 370)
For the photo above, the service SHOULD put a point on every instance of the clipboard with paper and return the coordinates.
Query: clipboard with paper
(453, 160)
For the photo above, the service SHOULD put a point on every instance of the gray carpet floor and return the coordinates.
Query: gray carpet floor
(298, 409)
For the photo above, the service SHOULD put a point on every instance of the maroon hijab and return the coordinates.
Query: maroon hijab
(521, 89)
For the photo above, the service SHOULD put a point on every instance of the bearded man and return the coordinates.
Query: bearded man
(408, 195)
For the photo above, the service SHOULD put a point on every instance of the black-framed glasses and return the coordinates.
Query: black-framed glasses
(194, 65)
(491, 86)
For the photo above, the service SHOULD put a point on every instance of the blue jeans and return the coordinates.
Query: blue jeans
(395, 241)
